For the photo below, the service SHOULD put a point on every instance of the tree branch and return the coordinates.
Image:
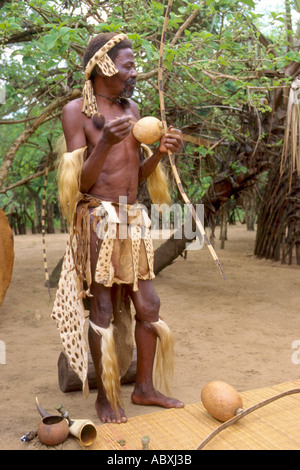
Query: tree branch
(184, 26)
(26, 180)
(24, 136)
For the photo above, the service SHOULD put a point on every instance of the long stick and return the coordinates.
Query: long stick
(244, 413)
(44, 231)
(171, 158)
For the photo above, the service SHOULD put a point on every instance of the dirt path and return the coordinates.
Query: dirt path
(240, 330)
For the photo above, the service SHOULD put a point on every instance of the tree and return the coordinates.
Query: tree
(221, 75)
(278, 235)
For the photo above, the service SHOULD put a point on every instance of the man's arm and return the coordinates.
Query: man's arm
(73, 127)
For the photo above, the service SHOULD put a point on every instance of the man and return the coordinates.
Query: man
(99, 141)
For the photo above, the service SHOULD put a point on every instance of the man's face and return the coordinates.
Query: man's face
(127, 73)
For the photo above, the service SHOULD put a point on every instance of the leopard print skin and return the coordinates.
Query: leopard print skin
(101, 58)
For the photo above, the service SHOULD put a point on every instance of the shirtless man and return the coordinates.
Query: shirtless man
(112, 169)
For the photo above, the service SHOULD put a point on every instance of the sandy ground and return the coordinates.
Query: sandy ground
(240, 330)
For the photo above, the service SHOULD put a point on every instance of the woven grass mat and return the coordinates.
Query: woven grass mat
(273, 427)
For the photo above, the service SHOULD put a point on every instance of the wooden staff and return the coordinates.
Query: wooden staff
(171, 158)
(44, 231)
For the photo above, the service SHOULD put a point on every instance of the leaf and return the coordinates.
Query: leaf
(222, 61)
(27, 60)
(50, 40)
(250, 3)
(64, 30)
(147, 46)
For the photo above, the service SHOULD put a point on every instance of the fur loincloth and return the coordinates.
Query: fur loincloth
(126, 252)
(125, 255)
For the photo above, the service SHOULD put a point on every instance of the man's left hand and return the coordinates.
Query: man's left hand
(171, 141)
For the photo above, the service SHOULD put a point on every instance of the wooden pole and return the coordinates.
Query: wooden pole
(70, 382)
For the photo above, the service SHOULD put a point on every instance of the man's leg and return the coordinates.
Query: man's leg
(100, 335)
(147, 304)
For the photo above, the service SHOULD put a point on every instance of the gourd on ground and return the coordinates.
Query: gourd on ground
(221, 400)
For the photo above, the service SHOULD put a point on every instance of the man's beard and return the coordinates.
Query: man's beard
(129, 88)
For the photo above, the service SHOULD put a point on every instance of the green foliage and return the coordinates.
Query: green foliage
(209, 69)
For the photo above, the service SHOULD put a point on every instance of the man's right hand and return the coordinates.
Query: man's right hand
(116, 130)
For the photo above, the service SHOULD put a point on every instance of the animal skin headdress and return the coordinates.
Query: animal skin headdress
(108, 68)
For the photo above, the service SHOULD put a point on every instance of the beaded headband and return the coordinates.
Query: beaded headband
(108, 68)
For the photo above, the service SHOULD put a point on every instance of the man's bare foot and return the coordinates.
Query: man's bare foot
(155, 398)
(107, 414)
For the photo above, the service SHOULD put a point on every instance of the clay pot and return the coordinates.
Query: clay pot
(53, 430)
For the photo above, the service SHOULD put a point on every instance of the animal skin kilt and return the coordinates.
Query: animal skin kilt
(125, 256)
